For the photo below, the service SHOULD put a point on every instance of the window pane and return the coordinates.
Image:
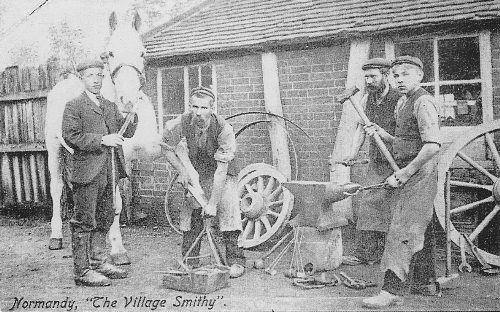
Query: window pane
(429, 89)
(206, 76)
(461, 105)
(421, 49)
(459, 58)
(193, 77)
(173, 90)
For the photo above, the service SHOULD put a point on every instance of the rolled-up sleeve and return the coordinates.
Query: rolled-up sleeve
(227, 145)
(172, 131)
(427, 115)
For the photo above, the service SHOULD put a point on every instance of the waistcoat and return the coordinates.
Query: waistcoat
(382, 115)
(202, 157)
(407, 141)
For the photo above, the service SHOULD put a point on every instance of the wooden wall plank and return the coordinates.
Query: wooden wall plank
(16, 172)
(15, 125)
(34, 178)
(7, 181)
(26, 177)
(42, 170)
(30, 121)
(9, 125)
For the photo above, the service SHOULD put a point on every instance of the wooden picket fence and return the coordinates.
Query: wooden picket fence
(23, 105)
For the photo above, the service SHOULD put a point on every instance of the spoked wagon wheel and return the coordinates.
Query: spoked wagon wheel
(478, 200)
(265, 205)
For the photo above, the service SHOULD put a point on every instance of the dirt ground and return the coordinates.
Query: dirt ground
(31, 272)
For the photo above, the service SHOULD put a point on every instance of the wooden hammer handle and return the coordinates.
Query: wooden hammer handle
(376, 136)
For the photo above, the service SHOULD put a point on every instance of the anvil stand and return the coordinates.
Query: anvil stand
(312, 200)
(207, 230)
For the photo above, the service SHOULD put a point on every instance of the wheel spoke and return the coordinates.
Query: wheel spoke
(473, 185)
(248, 228)
(472, 205)
(276, 192)
(249, 188)
(275, 203)
(484, 223)
(269, 186)
(258, 228)
(474, 164)
(260, 184)
(274, 213)
(264, 220)
(493, 148)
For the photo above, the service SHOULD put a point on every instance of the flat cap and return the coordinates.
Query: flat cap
(406, 59)
(202, 91)
(376, 62)
(89, 63)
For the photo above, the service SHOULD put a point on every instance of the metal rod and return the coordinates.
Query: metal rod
(447, 222)
(113, 176)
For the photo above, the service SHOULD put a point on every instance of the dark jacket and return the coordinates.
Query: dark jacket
(84, 124)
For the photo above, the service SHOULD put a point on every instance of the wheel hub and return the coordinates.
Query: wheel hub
(252, 205)
(496, 191)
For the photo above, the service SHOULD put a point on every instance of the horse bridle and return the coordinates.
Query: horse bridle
(142, 77)
(112, 74)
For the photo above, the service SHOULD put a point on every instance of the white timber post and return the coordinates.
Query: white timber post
(272, 99)
(340, 174)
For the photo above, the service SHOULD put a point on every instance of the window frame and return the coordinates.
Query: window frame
(485, 67)
(159, 89)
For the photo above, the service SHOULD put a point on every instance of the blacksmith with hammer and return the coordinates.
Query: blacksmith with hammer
(211, 146)
(373, 211)
(408, 258)
(90, 126)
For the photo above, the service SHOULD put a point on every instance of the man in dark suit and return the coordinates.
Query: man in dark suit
(90, 125)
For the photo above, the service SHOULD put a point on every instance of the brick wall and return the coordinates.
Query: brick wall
(309, 80)
(240, 89)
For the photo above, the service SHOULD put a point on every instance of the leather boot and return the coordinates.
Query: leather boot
(99, 260)
(84, 275)
(98, 246)
(234, 253)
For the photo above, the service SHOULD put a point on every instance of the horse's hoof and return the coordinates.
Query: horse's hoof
(120, 258)
(55, 243)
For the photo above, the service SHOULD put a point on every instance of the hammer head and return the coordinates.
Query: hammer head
(341, 98)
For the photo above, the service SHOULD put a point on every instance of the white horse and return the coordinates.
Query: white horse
(122, 85)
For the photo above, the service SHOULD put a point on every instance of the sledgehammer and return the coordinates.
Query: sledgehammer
(359, 109)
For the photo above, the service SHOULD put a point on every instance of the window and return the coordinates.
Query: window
(457, 70)
(175, 84)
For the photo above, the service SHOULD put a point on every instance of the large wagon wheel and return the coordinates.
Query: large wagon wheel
(265, 205)
(486, 201)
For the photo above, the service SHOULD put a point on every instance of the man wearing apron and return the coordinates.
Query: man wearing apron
(373, 212)
(211, 146)
(408, 256)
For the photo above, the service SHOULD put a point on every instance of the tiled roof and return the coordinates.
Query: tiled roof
(220, 25)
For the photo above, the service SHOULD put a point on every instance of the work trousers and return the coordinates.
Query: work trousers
(370, 245)
(422, 268)
(234, 254)
(92, 218)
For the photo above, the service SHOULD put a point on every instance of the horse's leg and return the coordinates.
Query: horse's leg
(118, 253)
(56, 188)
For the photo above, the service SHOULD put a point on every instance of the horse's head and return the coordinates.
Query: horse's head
(124, 56)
